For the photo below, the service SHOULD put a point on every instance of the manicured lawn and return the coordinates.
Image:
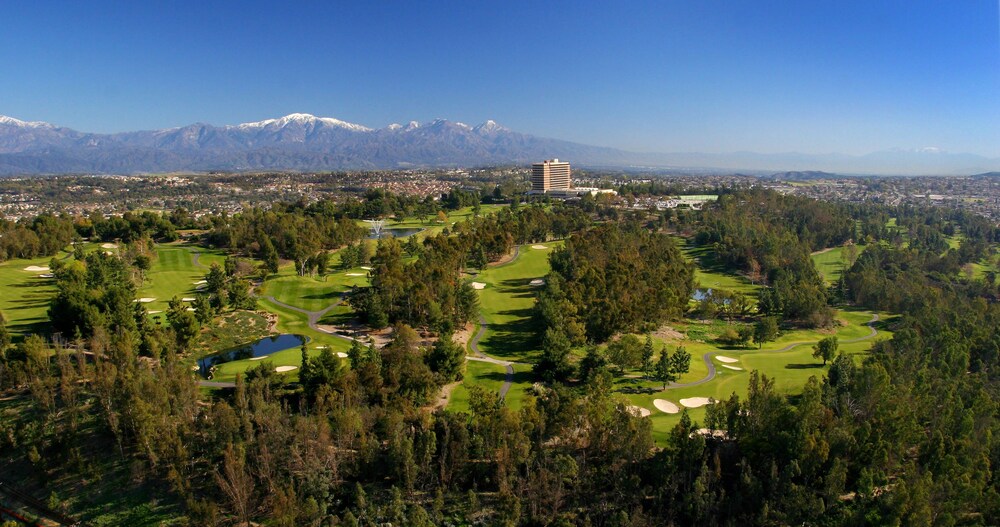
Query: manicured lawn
(289, 321)
(312, 293)
(25, 298)
(174, 273)
(790, 369)
(507, 302)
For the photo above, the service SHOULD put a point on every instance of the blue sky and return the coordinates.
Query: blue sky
(701, 75)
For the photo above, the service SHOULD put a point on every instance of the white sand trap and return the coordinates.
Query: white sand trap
(188, 299)
(283, 369)
(108, 246)
(366, 268)
(666, 406)
(146, 300)
(155, 312)
(201, 282)
(201, 287)
(539, 247)
(322, 347)
(696, 402)
(537, 282)
(736, 368)
(46, 275)
(192, 309)
(727, 360)
(640, 411)
(36, 268)
(341, 354)
(478, 285)
(109, 253)
(262, 357)
(355, 274)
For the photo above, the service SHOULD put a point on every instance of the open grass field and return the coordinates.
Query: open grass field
(25, 298)
(507, 301)
(710, 275)
(175, 273)
(312, 293)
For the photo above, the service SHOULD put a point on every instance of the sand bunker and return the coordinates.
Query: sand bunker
(145, 300)
(322, 347)
(341, 354)
(366, 268)
(539, 247)
(155, 312)
(201, 282)
(355, 274)
(537, 282)
(696, 402)
(478, 285)
(666, 406)
(108, 246)
(283, 369)
(46, 275)
(262, 357)
(737, 368)
(188, 299)
(192, 309)
(728, 360)
(201, 287)
(639, 411)
(36, 268)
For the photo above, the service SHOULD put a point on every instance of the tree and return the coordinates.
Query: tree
(766, 330)
(825, 349)
(664, 369)
(446, 359)
(625, 353)
(236, 482)
(442, 217)
(215, 280)
(183, 322)
(4, 334)
(680, 362)
(745, 334)
(647, 355)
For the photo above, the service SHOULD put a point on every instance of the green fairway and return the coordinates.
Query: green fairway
(710, 275)
(175, 273)
(312, 293)
(507, 301)
(25, 299)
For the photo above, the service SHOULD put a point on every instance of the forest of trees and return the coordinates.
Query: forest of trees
(906, 435)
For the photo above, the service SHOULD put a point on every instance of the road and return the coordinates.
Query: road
(711, 365)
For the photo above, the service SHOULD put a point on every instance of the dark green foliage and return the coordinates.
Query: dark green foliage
(618, 278)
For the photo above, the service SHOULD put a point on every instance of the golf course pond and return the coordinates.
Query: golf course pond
(394, 233)
(252, 350)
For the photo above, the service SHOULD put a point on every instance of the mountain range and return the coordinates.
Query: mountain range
(305, 142)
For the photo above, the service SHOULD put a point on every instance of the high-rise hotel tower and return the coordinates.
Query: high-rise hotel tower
(550, 174)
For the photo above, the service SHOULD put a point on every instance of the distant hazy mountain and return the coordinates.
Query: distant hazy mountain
(305, 142)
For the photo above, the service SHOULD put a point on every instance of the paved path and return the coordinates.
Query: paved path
(711, 365)
(194, 258)
(314, 316)
(482, 357)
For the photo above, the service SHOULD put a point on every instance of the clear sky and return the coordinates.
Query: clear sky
(810, 76)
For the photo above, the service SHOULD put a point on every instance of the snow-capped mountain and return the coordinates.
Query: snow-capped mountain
(298, 141)
(305, 142)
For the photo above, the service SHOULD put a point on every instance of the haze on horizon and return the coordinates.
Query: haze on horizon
(850, 77)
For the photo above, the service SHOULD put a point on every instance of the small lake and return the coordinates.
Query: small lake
(394, 233)
(261, 348)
